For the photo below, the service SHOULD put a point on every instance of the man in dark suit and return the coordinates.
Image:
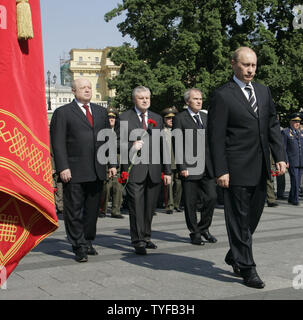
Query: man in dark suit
(242, 128)
(293, 145)
(74, 128)
(193, 185)
(144, 181)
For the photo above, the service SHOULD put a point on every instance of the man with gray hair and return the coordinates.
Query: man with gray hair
(144, 180)
(201, 184)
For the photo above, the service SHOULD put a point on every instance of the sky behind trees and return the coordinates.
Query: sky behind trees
(68, 24)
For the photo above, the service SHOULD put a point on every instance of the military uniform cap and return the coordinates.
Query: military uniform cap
(169, 112)
(295, 116)
(111, 111)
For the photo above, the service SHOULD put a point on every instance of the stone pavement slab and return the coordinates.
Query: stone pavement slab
(176, 271)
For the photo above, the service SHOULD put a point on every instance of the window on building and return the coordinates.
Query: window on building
(98, 96)
(97, 59)
(80, 59)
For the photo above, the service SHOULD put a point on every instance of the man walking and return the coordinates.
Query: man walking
(243, 128)
(195, 185)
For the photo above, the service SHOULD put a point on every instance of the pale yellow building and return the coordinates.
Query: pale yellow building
(98, 68)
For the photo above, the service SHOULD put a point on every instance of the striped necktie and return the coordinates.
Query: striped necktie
(200, 126)
(143, 121)
(251, 98)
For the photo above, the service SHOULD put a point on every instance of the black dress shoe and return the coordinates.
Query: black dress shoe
(169, 211)
(102, 215)
(150, 245)
(140, 250)
(80, 255)
(272, 204)
(251, 279)
(90, 250)
(140, 247)
(178, 209)
(236, 270)
(117, 216)
(209, 237)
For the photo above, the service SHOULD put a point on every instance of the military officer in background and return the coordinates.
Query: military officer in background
(111, 185)
(173, 191)
(293, 144)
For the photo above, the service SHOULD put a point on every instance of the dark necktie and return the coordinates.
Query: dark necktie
(88, 115)
(143, 121)
(200, 126)
(251, 98)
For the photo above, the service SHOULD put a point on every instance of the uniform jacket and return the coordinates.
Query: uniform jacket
(293, 144)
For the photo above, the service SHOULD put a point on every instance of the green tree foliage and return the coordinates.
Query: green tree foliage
(188, 43)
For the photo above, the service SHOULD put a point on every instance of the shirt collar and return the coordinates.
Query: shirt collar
(241, 84)
(139, 112)
(192, 113)
(82, 104)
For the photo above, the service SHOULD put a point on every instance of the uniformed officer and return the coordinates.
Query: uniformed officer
(112, 185)
(173, 191)
(293, 144)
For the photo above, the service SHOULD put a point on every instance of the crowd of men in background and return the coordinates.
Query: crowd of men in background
(243, 151)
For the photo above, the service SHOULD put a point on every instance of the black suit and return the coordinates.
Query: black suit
(144, 182)
(75, 145)
(194, 186)
(239, 141)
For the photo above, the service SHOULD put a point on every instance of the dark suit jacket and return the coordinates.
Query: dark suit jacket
(293, 146)
(74, 141)
(184, 120)
(139, 172)
(239, 139)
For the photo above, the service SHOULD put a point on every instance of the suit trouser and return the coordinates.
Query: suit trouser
(295, 174)
(142, 201)
(243, 207)
(191, 189)
(81, 209)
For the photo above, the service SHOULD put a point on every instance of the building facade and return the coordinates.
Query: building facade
(98, 68)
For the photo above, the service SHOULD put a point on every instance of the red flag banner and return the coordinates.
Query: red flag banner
(27, 211)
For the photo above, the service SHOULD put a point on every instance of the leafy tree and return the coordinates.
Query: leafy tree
(188, 43)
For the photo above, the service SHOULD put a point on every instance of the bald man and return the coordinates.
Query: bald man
(242, 128)
(74, 128)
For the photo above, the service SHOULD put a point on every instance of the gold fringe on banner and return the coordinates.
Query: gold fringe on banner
(24, 20)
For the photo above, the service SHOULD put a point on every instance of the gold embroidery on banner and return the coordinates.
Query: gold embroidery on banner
(8, 228)
(19, 147)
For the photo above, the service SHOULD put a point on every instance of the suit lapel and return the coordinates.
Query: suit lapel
(79, 113)
(189, 119)
(259, 98)
(240, 96)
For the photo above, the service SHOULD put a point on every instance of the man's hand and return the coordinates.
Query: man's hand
(281, 167)
(223, 181)
(167, 180)
(184, 173)
(138, 144)
(65, 175)
(112, 172)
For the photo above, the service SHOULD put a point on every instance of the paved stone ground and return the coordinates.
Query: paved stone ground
(177, 270)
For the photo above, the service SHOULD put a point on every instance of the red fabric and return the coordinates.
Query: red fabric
(88, 115)
(27, 211)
